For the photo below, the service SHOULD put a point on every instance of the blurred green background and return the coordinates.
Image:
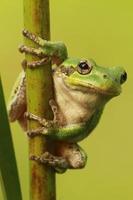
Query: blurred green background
(98, 29)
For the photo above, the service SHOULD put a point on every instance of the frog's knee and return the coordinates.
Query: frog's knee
(78, 159)
(79, 163)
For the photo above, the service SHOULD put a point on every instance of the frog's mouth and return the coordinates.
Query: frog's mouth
(85, 87)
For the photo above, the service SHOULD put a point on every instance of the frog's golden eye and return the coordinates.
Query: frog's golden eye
(84, 67)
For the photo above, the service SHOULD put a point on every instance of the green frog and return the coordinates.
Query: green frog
(82, 88)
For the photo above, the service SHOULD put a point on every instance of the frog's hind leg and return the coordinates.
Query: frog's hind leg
(68, 156)
(17, 105)
(73, 153)
(60, 164)
(23, 122)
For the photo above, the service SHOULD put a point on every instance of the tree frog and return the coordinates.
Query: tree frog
(82, 89)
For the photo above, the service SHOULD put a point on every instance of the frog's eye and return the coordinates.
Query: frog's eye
(84, 67)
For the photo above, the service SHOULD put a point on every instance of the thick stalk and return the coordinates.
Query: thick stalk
(39, 90)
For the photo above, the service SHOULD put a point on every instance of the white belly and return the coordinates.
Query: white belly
(74, 106)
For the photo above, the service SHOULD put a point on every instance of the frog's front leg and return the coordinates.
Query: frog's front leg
(46, 124)
(34, 64)
(56, 51)
(69, 156)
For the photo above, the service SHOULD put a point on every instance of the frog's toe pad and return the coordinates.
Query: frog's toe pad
(35, 132)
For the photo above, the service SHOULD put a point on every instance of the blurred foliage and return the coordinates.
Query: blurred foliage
(8, 168)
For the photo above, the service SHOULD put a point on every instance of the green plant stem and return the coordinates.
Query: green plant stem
(39, 91)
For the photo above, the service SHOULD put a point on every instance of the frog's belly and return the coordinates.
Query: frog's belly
(75, 106)
(74, 113)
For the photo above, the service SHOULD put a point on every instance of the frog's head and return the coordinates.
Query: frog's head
(88, 75)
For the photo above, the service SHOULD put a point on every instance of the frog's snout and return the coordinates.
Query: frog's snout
(115, 77)
(123, 77)
(119, 74)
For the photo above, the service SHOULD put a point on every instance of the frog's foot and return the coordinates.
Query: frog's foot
(37, 132)
(34, 38)
(34, 64)
(55, 51)
(69, 156)
(38, 63)
(45, 125)
(44, 122)
(60, 164)
(39, 52)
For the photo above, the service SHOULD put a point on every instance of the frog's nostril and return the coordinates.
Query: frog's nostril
(123, 77)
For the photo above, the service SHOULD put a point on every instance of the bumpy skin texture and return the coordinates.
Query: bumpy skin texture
(82, 88)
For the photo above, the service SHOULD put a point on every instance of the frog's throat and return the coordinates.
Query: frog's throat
(83, 86)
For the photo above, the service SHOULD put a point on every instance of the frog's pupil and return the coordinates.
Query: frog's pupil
(83, 65)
